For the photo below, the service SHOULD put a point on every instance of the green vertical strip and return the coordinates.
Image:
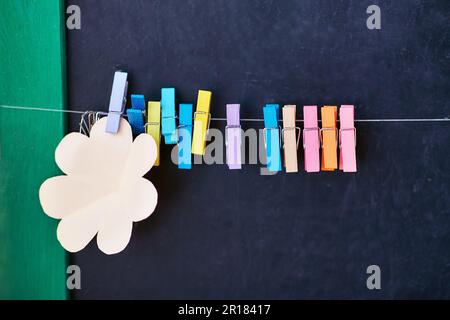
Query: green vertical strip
(32, 73)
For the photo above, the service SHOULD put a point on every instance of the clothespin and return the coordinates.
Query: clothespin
(202, 117)
(136, 113)
(290, 138)
(347, 138)
(153, 125)
(272, 136)
(168, 115)
(138, 102)
(185, 137)
(233, 137)
(311, 142)
(117, 101)
(329, 138)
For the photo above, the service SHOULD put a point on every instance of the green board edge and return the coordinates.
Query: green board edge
(32, 74)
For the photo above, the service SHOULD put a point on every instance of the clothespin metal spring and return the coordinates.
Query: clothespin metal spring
(347, 129)
(289, 129)
(209, 118)
(327, 129)
(230, 127)
(152, 124)
(182, 126)
(265, 131)
(307, 130)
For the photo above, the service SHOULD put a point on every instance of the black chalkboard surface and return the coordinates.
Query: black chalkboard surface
(236, 234)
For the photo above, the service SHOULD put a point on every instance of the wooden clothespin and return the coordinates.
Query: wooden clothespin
(347, 138)
(329, 138)
(272, 137)
(311, 141)
(290, 138)
(153, 125)
(136, 113)
(202, 117)
(233, 137)
(168, 123)
(185, 137)
(117, 101)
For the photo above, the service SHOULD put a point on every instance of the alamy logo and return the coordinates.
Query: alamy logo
(251, 140)
(374, 20)
(73, 21)
(374, 280)
(74, 278)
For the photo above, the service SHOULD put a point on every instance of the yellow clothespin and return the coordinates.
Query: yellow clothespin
(202, 118)
(153, 125)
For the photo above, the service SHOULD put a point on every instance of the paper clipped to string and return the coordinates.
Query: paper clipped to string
(103, 190)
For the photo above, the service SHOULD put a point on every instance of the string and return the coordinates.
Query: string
(446, 119)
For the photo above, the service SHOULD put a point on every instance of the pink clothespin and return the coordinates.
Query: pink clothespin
(311, 141)
(233, 137)
(347, 138)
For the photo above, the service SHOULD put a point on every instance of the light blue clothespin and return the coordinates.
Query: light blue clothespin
(272, 137)
(185, 137)
(117, 101)
(135, 114)
(168, 116)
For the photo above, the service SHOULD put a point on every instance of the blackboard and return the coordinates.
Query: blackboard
(236, 234)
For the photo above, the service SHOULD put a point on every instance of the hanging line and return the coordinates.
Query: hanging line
(224, 119)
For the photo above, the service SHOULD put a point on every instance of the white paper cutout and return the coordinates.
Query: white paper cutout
(103, 191)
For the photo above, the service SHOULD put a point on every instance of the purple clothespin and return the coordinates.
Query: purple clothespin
(233, 137)
(117, 101)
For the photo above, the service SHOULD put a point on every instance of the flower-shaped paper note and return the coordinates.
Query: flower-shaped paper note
(103, 191)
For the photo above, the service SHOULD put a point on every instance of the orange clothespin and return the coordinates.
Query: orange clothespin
(329, 138)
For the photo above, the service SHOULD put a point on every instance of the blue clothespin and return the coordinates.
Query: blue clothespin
(138, 101)
(185, 137)
(168, 125)
(135, 114)
(117, 101)
(272, 136)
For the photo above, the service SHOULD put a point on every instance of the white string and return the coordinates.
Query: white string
(244, 120)
(356, 120)
(41, 109)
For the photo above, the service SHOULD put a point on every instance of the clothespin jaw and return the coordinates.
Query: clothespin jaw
(136, 120)
(185, 137)
(168, 122)
(136, 113)
(138, 101)
(233, 137)
(290, 138)
(153, 125)
(272, 137)
(347, 138)
(202, 117)
(329, 138)
(311, 141)
(117, 101)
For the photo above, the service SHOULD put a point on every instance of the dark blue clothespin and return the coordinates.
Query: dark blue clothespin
(138, 101)
(136, 113)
